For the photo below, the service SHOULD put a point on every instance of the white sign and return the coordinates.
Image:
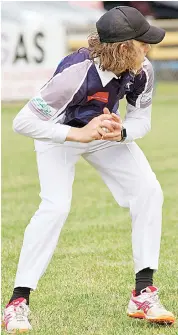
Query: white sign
(29, 56)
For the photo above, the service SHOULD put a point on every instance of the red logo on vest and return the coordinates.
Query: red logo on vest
(100, 96)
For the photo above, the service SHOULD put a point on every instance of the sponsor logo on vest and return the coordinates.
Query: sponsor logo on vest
(100, 96)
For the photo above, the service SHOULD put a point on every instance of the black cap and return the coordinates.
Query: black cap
(125, 23)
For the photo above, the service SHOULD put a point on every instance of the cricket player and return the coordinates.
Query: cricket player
(76, 113)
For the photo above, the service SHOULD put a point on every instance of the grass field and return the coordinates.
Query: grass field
(88, 283)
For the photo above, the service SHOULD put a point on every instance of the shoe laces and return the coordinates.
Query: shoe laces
(154, 299)
(19, 312)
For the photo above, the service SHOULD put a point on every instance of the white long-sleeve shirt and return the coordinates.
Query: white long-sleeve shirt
(43, 118)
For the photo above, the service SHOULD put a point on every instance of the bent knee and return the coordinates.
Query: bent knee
(153, 188)
(57, 210)
(159, 191)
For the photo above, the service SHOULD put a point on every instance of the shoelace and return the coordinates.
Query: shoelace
(21, 312)
(154, 299)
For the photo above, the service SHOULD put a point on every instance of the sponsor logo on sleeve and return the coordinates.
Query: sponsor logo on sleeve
(42, 107)
(146, 99)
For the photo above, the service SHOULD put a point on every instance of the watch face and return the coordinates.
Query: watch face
(124, 133)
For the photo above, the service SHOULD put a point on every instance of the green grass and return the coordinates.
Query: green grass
(86, 288)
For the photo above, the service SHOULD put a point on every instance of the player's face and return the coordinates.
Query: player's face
(141, 50)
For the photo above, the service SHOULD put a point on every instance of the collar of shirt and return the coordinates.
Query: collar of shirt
(105, 76)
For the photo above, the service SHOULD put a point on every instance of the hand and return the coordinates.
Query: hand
(117, 124)
(98, 128)
(93, 130)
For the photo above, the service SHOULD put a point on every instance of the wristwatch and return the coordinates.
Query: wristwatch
(123, 134)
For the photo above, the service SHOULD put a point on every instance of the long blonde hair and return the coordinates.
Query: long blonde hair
(112, 56)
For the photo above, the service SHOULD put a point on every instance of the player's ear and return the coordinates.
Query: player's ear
(123, 46)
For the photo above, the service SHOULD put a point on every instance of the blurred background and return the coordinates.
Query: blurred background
(86, 284)
(36, 35)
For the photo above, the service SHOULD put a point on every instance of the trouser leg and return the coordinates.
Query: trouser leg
(56, 167)
(127, 173)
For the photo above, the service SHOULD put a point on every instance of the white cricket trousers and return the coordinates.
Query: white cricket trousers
(126, 172)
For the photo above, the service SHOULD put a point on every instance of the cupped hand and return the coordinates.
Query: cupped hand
(116, 121)
(106, 126)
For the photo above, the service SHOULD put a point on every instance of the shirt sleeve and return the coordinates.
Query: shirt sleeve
(50, 103)
(28, 124)
(139, 104)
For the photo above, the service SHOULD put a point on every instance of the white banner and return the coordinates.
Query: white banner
(29, 56)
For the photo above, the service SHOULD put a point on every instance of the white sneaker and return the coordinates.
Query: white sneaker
(15, 317)
(147, 306)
